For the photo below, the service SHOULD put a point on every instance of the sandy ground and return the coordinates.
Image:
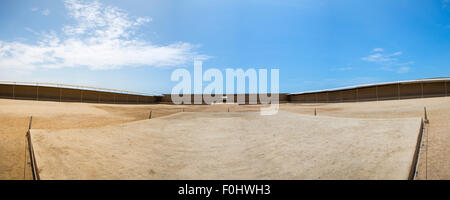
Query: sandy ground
(231, 145)
(434, 162)
(15, 115)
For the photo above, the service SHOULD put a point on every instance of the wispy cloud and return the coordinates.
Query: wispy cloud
(44, 12)
(344, 69)
(328, 83)
(403, 69)
(102, 37)
(388, 61)
(356, 81)
(400, 69)
(378, 50)
(380, 57)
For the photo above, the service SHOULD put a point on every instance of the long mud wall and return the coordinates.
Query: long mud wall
(283, 98)
(46, 93)
(391, 91)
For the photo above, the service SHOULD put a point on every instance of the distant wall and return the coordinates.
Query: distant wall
(401, 90)
(283, 98)
(388, 91)
(46, 93)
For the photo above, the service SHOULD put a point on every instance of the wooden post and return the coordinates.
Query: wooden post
(26, 163)
(31, 153)
(31, 121)
(315, 111)
(150, 116)
(426, 117)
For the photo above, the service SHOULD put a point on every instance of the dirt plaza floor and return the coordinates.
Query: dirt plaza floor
(262, 147)
(231, 145)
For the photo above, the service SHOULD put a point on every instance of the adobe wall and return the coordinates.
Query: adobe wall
(6, 91)
(283, 98)
(47, 93)
(392, 91)
(366, 93)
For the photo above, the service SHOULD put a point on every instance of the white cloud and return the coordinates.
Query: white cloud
(403, 69)
(102, 37)
(378, 50)
(397, 53)
(345, 69)
(337, 82)
(44, 12)
(400, 70)
(382, 58)
(378, 57)
(389, 62)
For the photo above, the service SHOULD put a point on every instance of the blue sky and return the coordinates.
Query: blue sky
(136, 44)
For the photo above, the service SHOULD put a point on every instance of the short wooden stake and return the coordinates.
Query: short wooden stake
(31, 120)
(426, 117)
